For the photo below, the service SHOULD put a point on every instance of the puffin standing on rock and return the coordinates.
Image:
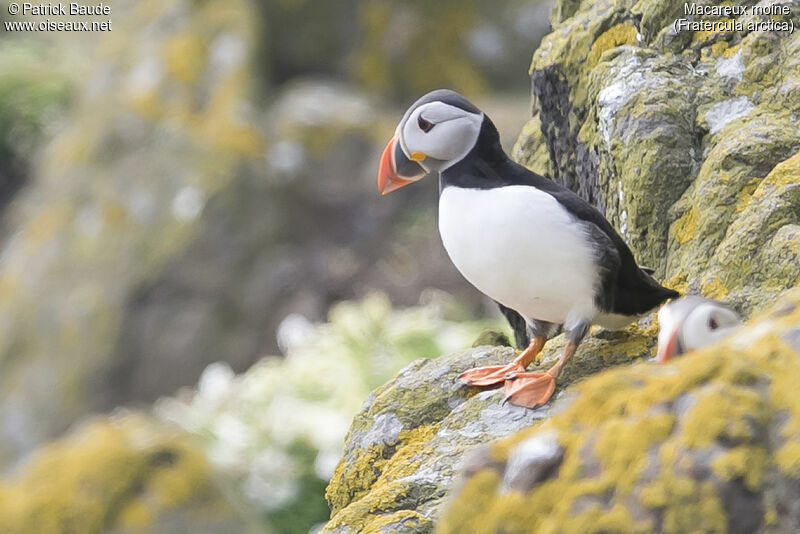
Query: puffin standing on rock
(528, 243)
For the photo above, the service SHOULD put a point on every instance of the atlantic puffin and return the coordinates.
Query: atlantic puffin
(691, 323)
(528, 243)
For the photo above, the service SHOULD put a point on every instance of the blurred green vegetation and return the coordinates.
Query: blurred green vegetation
(33, 94)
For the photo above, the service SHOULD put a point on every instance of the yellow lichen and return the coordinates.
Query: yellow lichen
(135, 516)
(409, 453)
(407, 520)
(104, 476)
(477, 494)
(713, 288)
(370, 483)
(678, 282)
(624, 442)
(785, 173)
(746, 194)
(686, 505)
(637, 433)
(788, 458)
(185, 56)
(599, 520)
(743, 462)
(722, 410)
(621, 34)
(694, 508)
(718, 49)
(731, 51)
(685, 228)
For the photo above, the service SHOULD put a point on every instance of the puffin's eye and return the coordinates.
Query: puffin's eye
(425, 126)
(712, 323)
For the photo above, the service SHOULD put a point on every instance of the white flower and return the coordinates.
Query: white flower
(258, 426)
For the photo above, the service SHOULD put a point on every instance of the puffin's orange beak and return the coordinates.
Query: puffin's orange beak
(669, 348)
(389, 178)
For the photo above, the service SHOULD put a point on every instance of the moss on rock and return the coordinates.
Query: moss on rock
(630, 112)
(407, 443)
(706, 443)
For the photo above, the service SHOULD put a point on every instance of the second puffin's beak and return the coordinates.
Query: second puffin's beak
(395, 169)
(668, 345)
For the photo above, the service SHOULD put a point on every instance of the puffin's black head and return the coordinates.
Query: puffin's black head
(436, 132)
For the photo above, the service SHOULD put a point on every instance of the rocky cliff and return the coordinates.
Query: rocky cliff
(688, 141)
(706, 444)
(407, 442)
(678, 137)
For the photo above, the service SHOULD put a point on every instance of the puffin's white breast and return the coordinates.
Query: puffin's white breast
(521, 247)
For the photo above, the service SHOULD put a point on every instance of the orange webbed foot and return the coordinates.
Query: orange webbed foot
(494, 375)
(490, 375)
(530, 390)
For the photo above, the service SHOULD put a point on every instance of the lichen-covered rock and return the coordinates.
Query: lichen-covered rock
(678, 138)
(410, 437)
(125, 474)
(708, 443)
(158, 125)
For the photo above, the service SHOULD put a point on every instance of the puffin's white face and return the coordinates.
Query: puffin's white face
(692, 323)
(432, 136)
(706, 324)
(438, 135)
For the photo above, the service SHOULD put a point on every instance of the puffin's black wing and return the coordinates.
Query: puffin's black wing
(518, 324)
(627, 288)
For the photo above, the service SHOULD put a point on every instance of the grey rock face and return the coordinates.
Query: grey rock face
(415, 434)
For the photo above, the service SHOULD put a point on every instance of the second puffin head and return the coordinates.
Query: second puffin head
(692, 322)
(436, 132)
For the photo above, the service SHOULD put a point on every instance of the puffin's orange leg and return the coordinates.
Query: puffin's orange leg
(496, 374)
(532, 390)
